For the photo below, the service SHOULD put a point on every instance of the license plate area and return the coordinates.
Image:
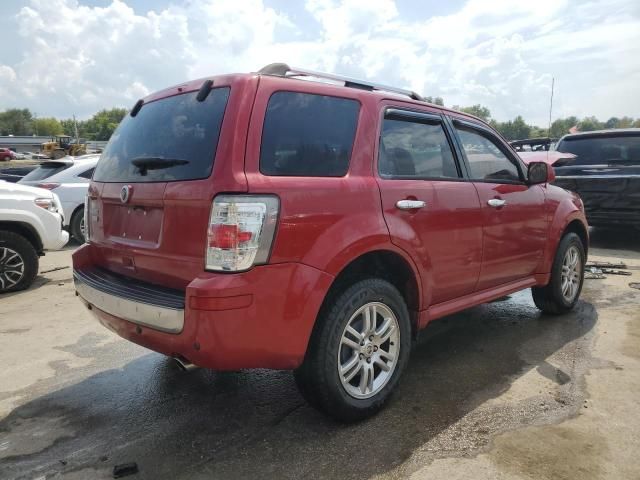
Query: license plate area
(132, 223)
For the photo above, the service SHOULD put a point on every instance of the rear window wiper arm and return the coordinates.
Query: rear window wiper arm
(156, 163)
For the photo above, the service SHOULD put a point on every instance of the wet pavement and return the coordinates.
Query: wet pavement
(103, 401)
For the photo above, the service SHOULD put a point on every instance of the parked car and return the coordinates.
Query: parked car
(533, 144)
(71, 186)
(605, 173)
(19, 156)
(52, 167)
(30, 223)
(6, 154)
(265, 221)
(14, 174)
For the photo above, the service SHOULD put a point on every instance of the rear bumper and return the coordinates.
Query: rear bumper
(261, 318)
(143, 304)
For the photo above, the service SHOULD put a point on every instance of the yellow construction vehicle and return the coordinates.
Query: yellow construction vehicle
(62, 145)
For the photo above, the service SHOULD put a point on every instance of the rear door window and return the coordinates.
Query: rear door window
(415, 148)
(174, 138)
(602, 150)
(308, 135)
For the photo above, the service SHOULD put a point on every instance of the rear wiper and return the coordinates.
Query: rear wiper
(156, 163)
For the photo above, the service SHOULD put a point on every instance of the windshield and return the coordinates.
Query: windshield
(45, 171)
(602, 150)
(179, 129)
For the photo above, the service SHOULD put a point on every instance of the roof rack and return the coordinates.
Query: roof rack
(284, 70)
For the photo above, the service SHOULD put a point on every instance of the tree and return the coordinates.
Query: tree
(47, 126)
(103, 123)
(435, 100)
(16, 121)
(625, 122)
(588, 124)
(516, 129)
(613, 122)
(478, 111)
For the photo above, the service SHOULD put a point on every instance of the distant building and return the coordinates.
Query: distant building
(33, 144)
(23, 143)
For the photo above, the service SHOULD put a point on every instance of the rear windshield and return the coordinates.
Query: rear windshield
(45, 171)
(602, 150)
(170, 139)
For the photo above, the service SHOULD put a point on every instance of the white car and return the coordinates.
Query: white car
(30, 223)
(71, 184)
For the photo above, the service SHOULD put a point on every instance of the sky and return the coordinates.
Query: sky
(75, 57)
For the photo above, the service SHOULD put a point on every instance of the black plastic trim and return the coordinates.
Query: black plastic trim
(130, 288)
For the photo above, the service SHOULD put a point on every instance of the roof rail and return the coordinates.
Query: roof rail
(284, 70)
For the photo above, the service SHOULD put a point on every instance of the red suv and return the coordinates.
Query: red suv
(290, 219)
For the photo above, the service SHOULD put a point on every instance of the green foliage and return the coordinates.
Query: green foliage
(16, 121)
(435, 100)
(98, 127)
(22, 122)
(46, 126)
(477, 110)
(518, 129)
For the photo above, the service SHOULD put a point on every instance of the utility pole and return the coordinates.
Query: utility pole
(553, 81)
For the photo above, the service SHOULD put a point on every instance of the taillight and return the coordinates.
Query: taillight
(240, 232)
(49, 185)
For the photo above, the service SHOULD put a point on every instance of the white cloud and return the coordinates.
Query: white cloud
(501, 54)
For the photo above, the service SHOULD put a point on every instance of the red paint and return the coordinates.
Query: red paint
(461, 251)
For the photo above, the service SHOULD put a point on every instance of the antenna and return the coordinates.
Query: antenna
(553, 81)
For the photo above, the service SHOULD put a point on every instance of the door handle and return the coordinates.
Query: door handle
(410, 204)
(497, 202)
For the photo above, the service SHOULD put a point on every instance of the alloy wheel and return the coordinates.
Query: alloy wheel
(369, 350)
(571, 274)
(11, 267)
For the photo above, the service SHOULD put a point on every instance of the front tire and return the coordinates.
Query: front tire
(18, 262)
(357, 352)
(567, 276)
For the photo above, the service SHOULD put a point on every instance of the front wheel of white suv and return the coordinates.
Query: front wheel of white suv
(357, 352)
(18, 262)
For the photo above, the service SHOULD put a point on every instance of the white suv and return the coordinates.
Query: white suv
(30, 223)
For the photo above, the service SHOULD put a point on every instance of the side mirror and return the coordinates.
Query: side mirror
(540, 172)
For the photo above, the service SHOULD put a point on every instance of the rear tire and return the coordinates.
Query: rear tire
(562, 292)
(357, 352)
(76, 225)
(18, 262)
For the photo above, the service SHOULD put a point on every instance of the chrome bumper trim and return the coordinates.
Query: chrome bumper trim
(153, 316)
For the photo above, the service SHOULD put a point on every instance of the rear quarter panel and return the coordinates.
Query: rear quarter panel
(325, 222)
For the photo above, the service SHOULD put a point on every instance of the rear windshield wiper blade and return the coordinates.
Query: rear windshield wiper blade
(156, 163)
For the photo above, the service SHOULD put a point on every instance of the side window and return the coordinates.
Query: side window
(409, 149)
(486, 160)
(308, 135)
(87, 174)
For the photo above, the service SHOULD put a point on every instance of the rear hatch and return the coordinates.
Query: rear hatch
(46, 170)
(150, 198)
(606, 174)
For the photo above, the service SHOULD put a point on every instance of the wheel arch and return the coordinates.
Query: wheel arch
(577, 227)
(387, 264)
(25, 230)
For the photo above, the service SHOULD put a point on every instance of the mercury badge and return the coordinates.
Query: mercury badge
(125, 193)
